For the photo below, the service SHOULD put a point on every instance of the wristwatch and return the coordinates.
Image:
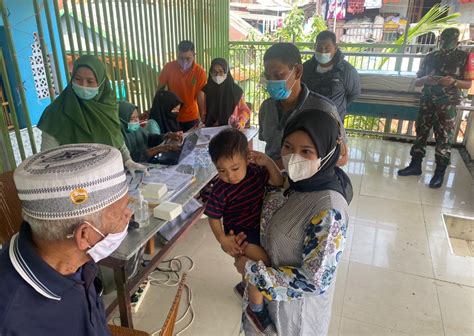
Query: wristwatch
(455, 83)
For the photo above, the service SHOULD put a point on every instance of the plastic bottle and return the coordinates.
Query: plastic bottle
(142, 215)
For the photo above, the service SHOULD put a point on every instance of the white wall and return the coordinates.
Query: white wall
(467, 13)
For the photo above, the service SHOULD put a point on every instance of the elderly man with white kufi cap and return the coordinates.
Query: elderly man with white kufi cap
(74, 201)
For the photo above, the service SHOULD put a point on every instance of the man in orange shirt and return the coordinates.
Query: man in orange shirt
(185, 78)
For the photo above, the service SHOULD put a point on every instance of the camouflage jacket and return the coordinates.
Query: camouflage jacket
(443, 63)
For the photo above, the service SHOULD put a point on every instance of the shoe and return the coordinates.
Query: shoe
(414, 168)
(260, 320)
(438, 177)
(239, 290)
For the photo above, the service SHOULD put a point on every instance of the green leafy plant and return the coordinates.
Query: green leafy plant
(318, 25)
(437, 19)
(292, 29)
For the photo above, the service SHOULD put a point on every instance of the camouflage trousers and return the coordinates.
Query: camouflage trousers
(440, 117)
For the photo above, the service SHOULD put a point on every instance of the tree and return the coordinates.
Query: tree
(292, 29)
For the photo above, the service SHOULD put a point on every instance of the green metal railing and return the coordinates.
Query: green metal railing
(134, 38)
(246, 59)
(246, 62)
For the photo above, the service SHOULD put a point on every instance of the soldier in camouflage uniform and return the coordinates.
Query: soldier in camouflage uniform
(442, 76)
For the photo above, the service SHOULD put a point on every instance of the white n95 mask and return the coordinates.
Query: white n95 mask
(219, 79)
(106, 246)
(300, 168)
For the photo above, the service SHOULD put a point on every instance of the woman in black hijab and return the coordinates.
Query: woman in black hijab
(324, 132)
(304, 229)
(163, 113)
(225, 103)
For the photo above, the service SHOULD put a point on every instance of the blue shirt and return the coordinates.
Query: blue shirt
(152, 127)
(37, 300)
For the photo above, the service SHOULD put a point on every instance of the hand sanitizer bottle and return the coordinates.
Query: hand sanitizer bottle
(142, 215)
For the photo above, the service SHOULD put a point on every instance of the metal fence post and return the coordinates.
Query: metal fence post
(53, 42)
(16, 70)
(44, 51)
(3, 126)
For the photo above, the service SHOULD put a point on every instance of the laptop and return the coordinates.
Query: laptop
(173, 158)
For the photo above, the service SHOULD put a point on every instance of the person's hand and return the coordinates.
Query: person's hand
(230, 246)
(446, 81)
(234, 122)
(241, 240)
(200, 125)
(258, 158)
(239, 264)
(133, 167)
(169, 148)
(177, 136)
(429, 80)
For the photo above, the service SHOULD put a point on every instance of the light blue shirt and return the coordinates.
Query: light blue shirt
(152, 127)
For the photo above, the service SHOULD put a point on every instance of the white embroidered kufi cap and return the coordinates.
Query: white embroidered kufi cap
(70, 181)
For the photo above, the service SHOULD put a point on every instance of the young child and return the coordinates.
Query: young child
(237, 199)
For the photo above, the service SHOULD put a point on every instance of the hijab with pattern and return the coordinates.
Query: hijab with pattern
(70, 119)
(163, 103)
(221, 99)
(324, 131)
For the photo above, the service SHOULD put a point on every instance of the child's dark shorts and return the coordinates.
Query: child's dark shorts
(253, 235)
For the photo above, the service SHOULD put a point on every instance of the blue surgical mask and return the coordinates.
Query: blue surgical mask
(84, 92)
(277, 88)
(133, 126)
(323, 58)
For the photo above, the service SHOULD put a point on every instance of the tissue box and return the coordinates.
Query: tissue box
(167, 210)
(154, 190)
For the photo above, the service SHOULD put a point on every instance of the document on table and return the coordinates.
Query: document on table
(207, 133)
(174, 180)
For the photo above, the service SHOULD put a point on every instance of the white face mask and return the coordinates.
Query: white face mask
(106, 246)
(300, 168)
(323, 58)
(84, 92)
(219, 79)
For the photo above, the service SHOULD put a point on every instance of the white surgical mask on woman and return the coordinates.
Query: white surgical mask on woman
(106, 246)
(85, 92)
(219, 79)
(300, 168)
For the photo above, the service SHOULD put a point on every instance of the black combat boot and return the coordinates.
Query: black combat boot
(438, 177)
(414, 168)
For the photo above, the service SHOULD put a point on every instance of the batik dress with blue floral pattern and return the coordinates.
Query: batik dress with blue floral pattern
(304, 235)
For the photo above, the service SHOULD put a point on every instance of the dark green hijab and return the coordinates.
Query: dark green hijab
(137, 142)
(70, 119)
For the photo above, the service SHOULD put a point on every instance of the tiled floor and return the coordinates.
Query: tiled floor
(398, 275)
